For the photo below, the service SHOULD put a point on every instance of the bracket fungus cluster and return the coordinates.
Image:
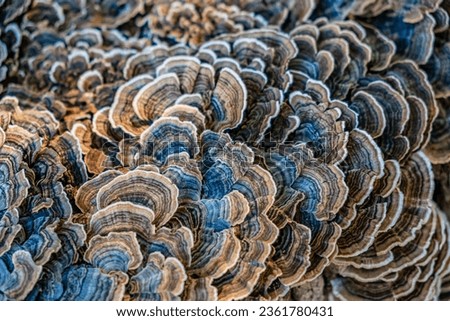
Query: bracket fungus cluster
(224, 150)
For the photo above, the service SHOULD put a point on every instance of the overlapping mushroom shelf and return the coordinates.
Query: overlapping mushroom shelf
(224, 150)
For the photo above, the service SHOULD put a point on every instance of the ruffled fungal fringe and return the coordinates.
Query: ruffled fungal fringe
(224, 150)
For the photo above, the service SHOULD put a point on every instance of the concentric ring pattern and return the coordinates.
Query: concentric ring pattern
(224, 150)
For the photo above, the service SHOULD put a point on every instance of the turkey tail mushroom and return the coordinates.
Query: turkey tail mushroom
(224, 150)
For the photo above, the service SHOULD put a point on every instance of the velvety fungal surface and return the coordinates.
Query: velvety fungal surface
(224, 150)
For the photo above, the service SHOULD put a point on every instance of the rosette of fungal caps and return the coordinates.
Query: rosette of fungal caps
(224, 150)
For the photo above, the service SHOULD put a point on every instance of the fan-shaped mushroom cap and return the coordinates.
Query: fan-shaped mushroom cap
(84, 283)
(161, 279)
(168, 136)
(224, 150)
(155, 191)
(117, 251)
(122, 217)
(20, 280)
